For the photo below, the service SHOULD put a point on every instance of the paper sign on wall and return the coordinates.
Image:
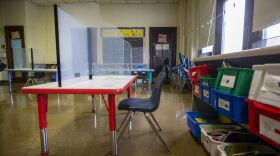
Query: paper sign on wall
(15, 35)
(129, 32)
(162, 38)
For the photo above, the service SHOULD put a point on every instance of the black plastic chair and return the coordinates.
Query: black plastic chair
(146, 106)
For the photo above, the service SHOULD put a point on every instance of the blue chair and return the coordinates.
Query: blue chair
(146, 106)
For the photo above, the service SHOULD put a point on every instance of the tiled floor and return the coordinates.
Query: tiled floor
(74, 130)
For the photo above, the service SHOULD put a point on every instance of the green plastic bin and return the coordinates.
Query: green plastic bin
(208, 80)
(234, 81)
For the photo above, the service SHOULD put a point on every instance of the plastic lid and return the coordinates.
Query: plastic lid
(273, 65)
(258, 67)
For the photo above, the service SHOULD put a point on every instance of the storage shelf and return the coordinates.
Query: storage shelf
(274, 50)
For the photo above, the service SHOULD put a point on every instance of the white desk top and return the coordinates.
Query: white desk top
(115, 84)
(31, 70)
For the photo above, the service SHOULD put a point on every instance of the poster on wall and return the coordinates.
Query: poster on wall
(162, 38)
(123, 32)
(15, 35)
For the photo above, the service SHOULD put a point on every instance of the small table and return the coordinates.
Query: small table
(110, 85)
(148, 71)
(10, 75)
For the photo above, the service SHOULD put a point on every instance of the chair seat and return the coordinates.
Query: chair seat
(136, 104)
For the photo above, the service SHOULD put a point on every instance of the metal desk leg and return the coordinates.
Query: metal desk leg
(93, 104)
(10, 78)
(42, 113)
(112, 124)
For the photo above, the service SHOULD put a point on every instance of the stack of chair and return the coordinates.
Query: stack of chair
(178, 75)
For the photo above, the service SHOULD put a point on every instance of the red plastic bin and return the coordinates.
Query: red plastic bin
(202, 70)
(264, 120)
(196, 88)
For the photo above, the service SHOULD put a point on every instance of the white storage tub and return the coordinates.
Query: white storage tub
(270, 90)
(208, 142)
(245, 150)
(257, 81)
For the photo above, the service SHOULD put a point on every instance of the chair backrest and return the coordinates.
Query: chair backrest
(155, 97)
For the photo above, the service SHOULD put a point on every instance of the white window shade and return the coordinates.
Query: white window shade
(266, 13)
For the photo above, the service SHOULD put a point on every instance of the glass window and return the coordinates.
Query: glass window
(207, 49)
(123, 45)
(272, 31)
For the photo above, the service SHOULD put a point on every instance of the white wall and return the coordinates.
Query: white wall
(189, 26)
(3, 74)
(266, 13)
(40, 33)
(125, 15)
(38, 22)
(195, 26)
(39, 28)
(14, 12)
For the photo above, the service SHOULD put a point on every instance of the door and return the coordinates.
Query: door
(162, 47)
(15, 45)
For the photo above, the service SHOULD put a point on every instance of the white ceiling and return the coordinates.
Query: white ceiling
(51, 2)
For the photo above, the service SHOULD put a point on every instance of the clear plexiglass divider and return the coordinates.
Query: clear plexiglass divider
(116, 69)
(23, 58)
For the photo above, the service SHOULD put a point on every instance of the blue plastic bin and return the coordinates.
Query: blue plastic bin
(211, 118)
(213, 98)
(232, 106)
(53, 78)
(207, 94)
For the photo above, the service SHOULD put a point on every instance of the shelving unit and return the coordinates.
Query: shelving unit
(243, 59)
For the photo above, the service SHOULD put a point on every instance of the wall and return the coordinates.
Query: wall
(196, 25)
(40, 33)
(189, 26)
(14, 12)
(125, 15)
(38, 22)
(3, 74)
(266, 13)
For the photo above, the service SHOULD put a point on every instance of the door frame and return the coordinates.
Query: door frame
(9, 54)
(174, 42)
